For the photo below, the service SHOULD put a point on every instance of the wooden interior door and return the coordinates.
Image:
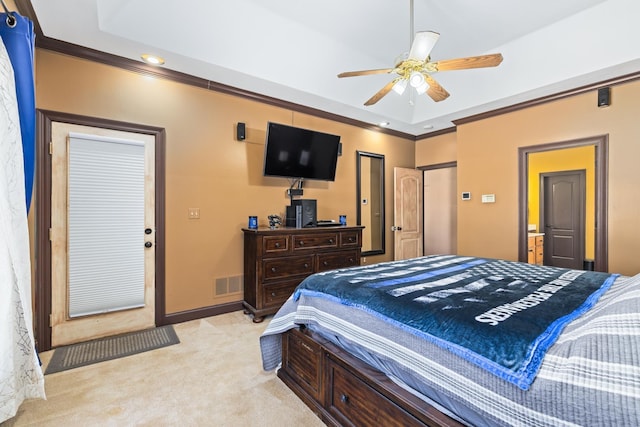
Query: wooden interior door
(67, 329)
(562, 218)
(407, 211)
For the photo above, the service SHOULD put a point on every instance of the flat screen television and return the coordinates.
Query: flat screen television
(293, 152)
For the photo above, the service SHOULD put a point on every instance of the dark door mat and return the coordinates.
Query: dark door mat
(87, 353)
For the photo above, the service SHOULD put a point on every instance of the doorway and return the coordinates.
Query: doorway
(440, 209)
(562, 218)
(48, 264)
(102, 233)
(600, 145)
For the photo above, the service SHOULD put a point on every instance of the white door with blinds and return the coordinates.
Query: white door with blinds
(102, 233)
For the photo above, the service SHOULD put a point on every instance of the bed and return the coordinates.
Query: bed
(452, 340)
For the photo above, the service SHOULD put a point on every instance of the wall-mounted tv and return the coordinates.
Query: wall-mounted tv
(293, 152)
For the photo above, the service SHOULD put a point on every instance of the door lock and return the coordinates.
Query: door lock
(148, 244)
(394, 228)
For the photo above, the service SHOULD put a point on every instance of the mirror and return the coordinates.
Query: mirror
(370, 201)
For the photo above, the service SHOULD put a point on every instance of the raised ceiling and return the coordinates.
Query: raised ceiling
(293, 49)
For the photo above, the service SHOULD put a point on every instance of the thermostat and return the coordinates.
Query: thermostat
(466, 195)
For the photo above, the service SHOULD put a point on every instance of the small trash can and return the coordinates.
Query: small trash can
(588, 265)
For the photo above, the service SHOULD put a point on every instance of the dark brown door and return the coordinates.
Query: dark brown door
(562, 213)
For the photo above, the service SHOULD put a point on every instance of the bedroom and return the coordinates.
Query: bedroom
(207, 168)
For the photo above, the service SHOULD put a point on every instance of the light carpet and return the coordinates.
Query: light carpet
(213, 377)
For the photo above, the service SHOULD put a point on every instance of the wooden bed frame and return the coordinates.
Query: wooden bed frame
(345, 391)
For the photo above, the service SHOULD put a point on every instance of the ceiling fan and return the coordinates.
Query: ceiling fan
(416, 69)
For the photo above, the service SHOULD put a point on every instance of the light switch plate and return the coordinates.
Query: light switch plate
(466, 195)
(488, 198)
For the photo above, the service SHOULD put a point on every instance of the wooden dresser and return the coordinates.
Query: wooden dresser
(276, 261)
(535, 248)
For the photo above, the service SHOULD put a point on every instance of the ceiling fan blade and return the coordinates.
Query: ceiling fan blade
(423, 43)
(365, 72)
(382, 92)
(469, 62)
(435, 91)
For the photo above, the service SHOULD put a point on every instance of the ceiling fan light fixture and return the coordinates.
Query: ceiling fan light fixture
(422, 88)
(416, 79)
(400, 86)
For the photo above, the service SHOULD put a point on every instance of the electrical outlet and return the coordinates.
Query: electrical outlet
(194, 213)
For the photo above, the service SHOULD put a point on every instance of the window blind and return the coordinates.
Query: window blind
(105, 224)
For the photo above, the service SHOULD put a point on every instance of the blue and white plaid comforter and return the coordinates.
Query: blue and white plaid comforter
(590, 376)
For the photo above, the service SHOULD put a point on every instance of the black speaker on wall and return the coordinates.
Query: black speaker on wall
(308, 210)
(241, 131)
(604, 97)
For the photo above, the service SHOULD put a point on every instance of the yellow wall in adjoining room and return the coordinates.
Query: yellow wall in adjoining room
(207, 168)
(564, 160)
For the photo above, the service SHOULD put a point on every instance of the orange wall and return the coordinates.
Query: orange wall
(436, 150)
(207, 168)
(487, 155)
(561, 160)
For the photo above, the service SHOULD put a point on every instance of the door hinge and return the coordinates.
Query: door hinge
(50, 320)
(51, 147)
(50, 235)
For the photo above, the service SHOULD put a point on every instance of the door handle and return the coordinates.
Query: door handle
(148, 231)
(148, 244)
(394, 228)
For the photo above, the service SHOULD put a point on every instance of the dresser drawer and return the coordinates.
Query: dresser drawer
(352, 402)
(278, 268)
(331, 261)
(349, 238)
(302, 358)
(315, 241)
(275, 244)
(278, 293)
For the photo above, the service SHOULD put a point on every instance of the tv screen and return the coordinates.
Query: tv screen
(300, 153)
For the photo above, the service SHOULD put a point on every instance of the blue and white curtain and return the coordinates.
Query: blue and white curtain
(20, 372)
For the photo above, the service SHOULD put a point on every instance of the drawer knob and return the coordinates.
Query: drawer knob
(331, 241)
(273, 269)
(301, 243)
(344, 399)
(351, 239)
(351, 260)
(277, 244)
(273, 294)
(325, 263)
(306, 265)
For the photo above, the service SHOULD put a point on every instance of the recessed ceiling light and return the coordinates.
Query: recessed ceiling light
(427, 127)
(152, 59)
(383, 124)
